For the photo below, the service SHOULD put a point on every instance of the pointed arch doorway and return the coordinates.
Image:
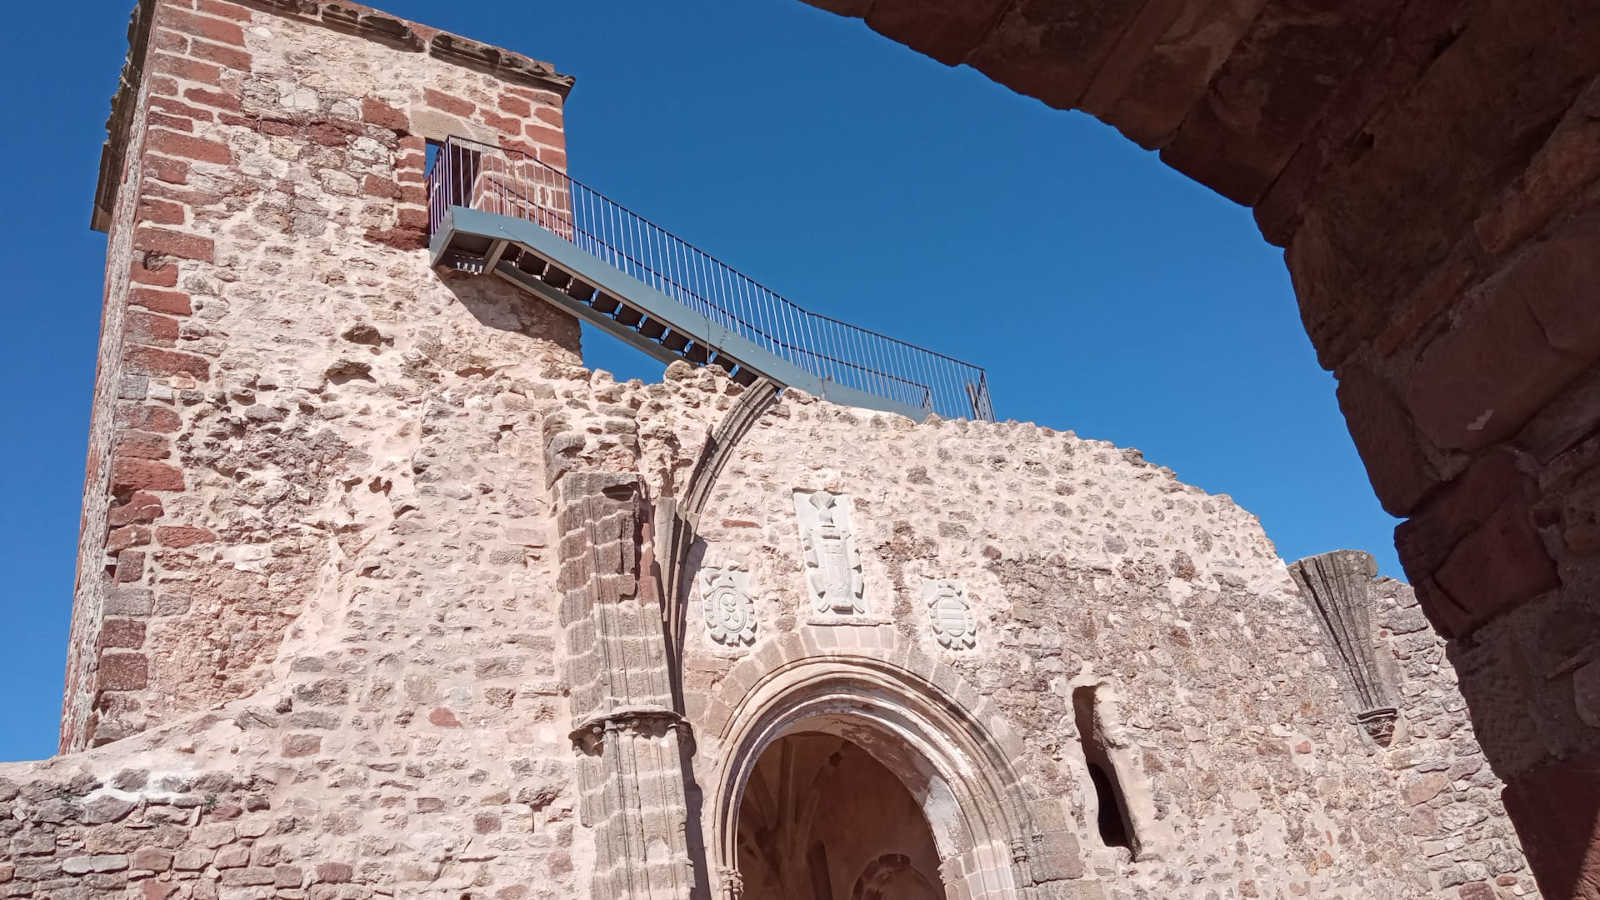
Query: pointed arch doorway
(821, 819)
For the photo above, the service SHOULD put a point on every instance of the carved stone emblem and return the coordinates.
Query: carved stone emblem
(950, 613)
(833, 565)
(729, 609)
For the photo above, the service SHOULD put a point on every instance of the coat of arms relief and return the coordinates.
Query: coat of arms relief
(833, 564)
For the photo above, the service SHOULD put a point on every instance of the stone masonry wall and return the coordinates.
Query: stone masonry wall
(259, 318)
(1084, 565)
(1454, 796)
(364, 518)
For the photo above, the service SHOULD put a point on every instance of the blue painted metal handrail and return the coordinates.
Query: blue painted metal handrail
(507, 182)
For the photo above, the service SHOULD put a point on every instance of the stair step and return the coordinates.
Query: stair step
(723, 363)
(527, 262)
(555, 277)
(676, 342)
(744, 376)
(698, 353)
(606, 303)
(629, 316)
(652, 329)
(580, 291)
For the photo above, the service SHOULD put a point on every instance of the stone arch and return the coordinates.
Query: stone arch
(922, 722)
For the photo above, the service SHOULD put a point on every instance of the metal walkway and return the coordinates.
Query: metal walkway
(502, 212)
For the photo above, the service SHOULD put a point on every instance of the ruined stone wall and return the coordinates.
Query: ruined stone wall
(1083, 565)
(383, 609)
(250, 377)
(1453, 795)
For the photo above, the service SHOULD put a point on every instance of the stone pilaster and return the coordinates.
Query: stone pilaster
(624, 724)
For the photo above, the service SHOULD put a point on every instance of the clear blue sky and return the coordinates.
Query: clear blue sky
(1104, 293)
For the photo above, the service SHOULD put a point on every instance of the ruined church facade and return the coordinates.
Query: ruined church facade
(381, 592)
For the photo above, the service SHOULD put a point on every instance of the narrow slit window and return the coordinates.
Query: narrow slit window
(1111, 805)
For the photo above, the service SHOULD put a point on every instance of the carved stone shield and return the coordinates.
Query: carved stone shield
(730, 611)
(949, 613)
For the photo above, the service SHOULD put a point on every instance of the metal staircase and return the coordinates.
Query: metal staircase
(504, 213)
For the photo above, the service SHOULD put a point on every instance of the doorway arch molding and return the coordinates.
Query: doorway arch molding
(917, 717)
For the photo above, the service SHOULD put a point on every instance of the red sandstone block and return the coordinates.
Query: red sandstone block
(398, 238)
(130, 566)
(216, 99)
(161, 85)
(185, 68)
(179, 108)
(167, 121)
(122, 671)
(453, 105)
(413, 143)
(159, 419)
(516, 106)
(172, 171)
(228, 57)
(378, 186)
(376, 112)
(444, 718)
(120, 539)
(225, 10)
(551, 157)
(548, 115)
(156, 361)
(161, 212)
(411, 166)
(143, 445)
(335, 873)
(183, 535)
(154, 889)
(174, 144)
(161, 276)
(141, 507)
(202, 26)
(152, 859)
(504, 124)
(412, 217)
(414, 193)
(130, 474)
(122, 634)
(170, 40)
(144, 327)
(174, 303)
(173, 243)
(545, 98)
(549, 137)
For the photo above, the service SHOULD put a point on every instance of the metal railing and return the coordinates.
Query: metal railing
(512, 183)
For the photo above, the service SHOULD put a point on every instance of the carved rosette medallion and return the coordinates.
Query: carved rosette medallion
(730, 611)
(949, 613)
(833, 564)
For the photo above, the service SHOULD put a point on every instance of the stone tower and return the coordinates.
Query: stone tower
(382, 593)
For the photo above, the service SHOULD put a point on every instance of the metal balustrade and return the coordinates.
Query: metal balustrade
(718, 301)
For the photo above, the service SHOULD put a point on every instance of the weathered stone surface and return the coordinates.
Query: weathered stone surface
(1555, 808)
(379, 677)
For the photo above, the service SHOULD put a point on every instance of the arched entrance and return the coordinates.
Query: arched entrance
(821, 819)
(939, 775)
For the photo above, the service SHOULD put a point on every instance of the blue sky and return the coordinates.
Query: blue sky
(1104, 293)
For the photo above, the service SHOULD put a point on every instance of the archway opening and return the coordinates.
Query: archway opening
(821, 819)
